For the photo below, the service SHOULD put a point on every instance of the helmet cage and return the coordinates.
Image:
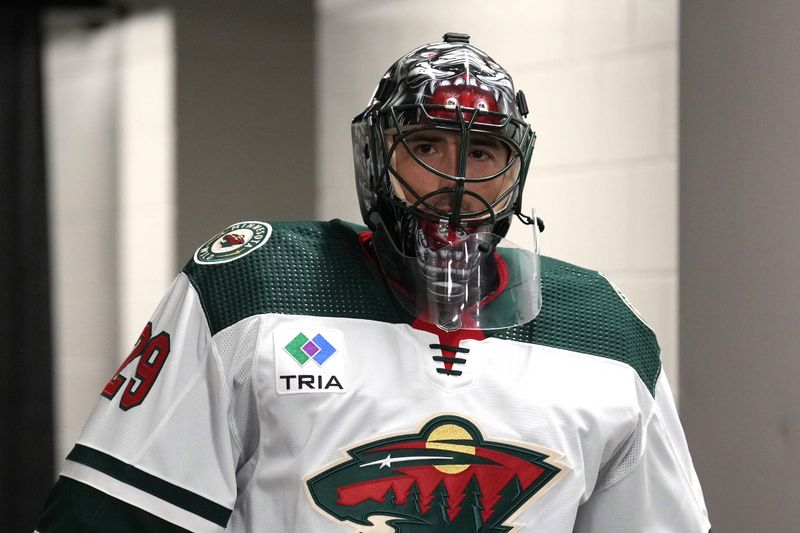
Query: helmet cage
(408, 119)
(439, 241)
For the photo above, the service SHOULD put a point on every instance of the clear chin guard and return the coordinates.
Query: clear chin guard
(480, 281)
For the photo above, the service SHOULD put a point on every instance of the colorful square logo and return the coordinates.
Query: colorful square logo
(295, 348)
(301, 348)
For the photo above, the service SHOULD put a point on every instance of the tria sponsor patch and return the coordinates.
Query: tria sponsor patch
(233, 242)
(446, 478)
(309, 361)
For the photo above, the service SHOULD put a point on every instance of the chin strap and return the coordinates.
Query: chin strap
(525, 219)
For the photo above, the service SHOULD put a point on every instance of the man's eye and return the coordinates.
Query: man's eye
(423, 148)
(480, 155)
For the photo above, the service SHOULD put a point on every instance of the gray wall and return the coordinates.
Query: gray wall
(740, 258)
(245, 114)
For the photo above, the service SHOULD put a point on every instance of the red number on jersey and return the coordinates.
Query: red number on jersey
(152, 353)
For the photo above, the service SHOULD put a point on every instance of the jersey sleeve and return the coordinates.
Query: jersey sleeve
(651, 485)
(158, 452)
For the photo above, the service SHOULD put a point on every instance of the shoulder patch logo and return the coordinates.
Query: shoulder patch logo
(447, 478)
(294, 352)
(233, 242)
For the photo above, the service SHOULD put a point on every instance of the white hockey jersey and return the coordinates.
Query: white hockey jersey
(279, 388)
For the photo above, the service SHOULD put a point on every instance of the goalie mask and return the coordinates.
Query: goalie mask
(441, 154)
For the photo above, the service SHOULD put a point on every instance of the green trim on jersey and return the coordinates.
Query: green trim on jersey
(583, 312)
(319, 269)
(73, 506)
(130, 475)
(306, 268)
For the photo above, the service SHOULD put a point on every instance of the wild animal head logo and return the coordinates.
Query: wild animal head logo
(446, 478)
(231, 239)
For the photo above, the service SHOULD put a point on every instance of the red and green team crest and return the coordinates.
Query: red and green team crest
(233, 242)
(445, 479)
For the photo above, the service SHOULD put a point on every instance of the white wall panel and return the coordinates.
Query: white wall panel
(655, 22)
(629, 90)
(80, 109)
(601, 27)
(109, 142)
(146, 169)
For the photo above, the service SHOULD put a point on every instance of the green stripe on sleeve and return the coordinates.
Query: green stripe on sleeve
(74, 507)
(129, 474)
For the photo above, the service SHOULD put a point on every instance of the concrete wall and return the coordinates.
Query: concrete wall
(740, 258)
(601, 80)
(109, 136)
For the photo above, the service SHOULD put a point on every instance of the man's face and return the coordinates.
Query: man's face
(439, 149)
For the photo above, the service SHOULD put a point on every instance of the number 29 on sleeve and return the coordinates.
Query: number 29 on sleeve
(152, 353)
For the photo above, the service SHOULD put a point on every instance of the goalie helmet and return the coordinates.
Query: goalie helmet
(441, 154)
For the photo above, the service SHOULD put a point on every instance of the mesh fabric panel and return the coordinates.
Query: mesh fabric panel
(306, 268)
(235, 346)
(582, 312)
(623, 461)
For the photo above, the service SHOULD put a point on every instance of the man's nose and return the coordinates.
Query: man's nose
(450, 162)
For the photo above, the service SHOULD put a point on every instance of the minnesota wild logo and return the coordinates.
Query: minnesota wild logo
(446, 478)
(233, 242)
